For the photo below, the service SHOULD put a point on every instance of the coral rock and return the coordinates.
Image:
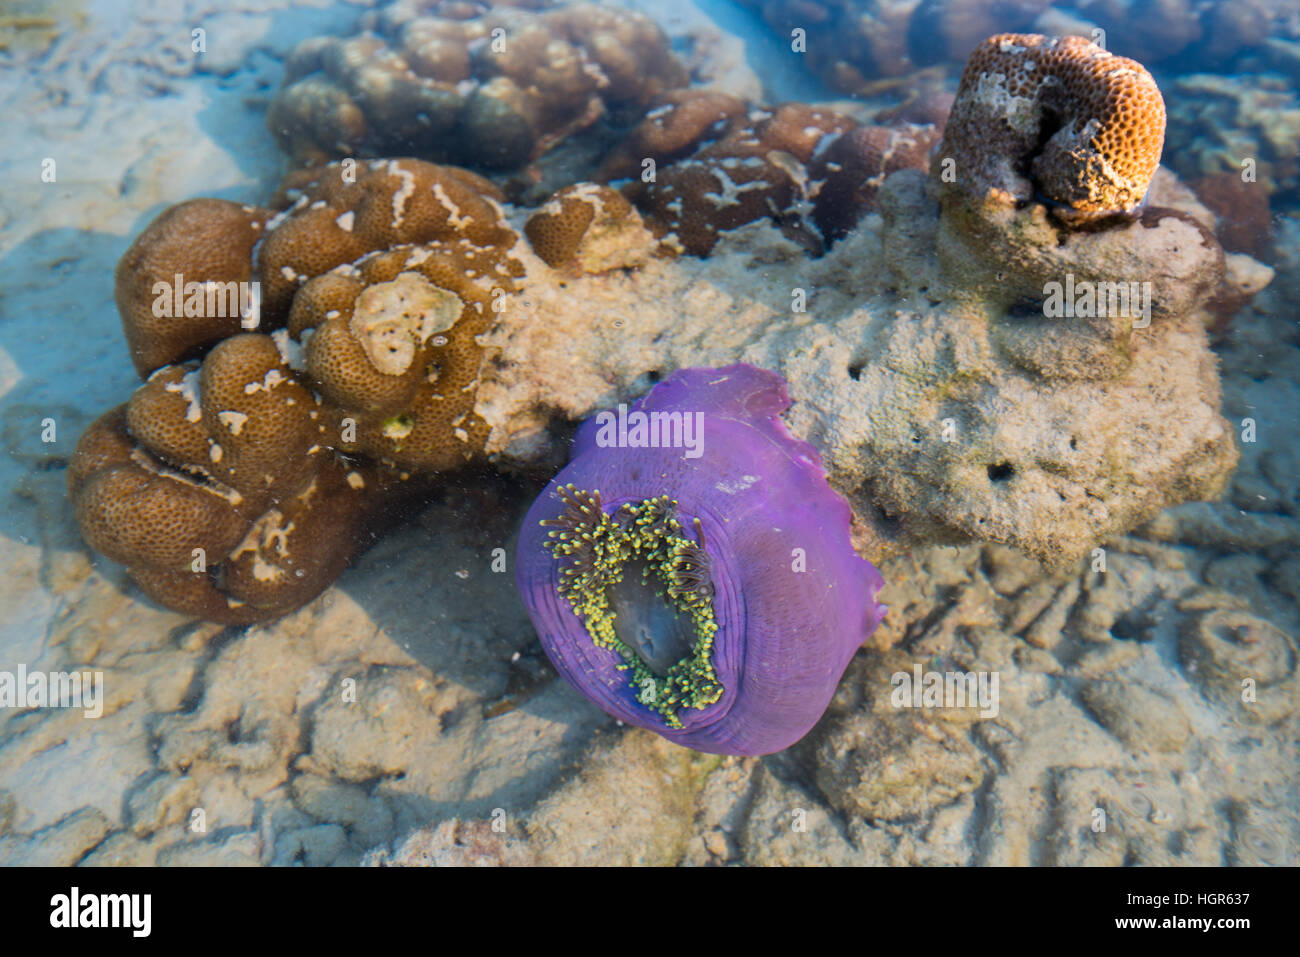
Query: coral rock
(1242, 661)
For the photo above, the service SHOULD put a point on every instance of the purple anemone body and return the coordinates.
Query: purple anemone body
(791, 599)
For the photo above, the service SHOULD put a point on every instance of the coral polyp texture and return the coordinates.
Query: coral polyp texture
(494, 89)
(214, 487)
(387, 279)
(341, 212)
(392, 344)
(1087, 127)
(589, 226)
(179, 286)
(690, 570)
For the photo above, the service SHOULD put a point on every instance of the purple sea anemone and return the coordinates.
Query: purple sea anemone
(690, 570)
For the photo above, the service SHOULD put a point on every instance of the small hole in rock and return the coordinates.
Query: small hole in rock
(1001, 472)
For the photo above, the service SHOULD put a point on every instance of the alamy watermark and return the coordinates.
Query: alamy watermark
(55, 689)
(208, 300)
(651, 430)
(130, 911)
(1089, 300)
(946, 689)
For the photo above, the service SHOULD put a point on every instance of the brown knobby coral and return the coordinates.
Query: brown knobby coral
(184, 283)
(214, 486)
(1057, 119)
(679, 124)
(388, 280)
(234, 485)
(494, 89)
(854, 166)
(343, 211)
(755, 171)
(392, 342)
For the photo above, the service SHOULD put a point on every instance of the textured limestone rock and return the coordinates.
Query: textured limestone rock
(632, 805)
(944, 407)
(1139, 717)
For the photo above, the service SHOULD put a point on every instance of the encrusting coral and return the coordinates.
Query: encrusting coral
(494, 89)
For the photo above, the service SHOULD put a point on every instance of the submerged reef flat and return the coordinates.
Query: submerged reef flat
(865, 47)
(1013, 464)
(1236, 124)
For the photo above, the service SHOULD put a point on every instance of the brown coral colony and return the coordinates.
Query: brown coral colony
(234, 485)
(494, 90)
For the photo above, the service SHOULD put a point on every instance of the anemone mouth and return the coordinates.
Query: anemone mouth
(653, 628)
(644, 591)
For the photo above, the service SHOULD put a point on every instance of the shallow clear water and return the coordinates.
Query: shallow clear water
(1146, 690)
